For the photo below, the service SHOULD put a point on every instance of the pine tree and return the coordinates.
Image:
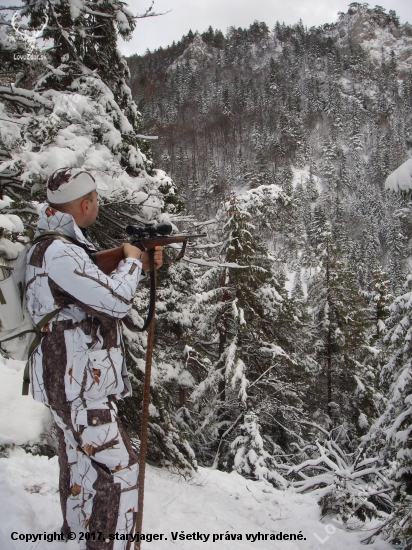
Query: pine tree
(391, 433)
(246, 319)
(339, 316)
(78, 111)
(171, 425)
(379, 298)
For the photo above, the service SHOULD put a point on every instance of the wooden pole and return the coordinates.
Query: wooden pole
(145, 415)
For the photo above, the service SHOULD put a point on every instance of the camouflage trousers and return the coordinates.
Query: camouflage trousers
(98, 476)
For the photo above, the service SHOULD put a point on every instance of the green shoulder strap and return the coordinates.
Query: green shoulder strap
(50, 234)
(36, 341)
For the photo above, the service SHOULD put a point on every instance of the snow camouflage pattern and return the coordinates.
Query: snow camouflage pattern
(78, 370)
(60, 177)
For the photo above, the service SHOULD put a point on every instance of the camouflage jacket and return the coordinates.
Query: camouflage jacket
(83, 342)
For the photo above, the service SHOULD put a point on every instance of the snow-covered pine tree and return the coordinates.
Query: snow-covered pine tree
(170, 421)
(215, 187)
(245, 323)
(390, 435)
(76, 110)
(379, 298)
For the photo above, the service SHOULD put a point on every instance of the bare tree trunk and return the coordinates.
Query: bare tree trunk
(182, 397)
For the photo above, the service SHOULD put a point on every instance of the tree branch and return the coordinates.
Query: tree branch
(149, 13)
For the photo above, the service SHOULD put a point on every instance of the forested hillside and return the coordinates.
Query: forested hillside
(297, 340)
(320, 110)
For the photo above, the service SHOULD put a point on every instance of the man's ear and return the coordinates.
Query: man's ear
(84, 205)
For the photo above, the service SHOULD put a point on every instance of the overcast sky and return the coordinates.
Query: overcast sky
(221, 14)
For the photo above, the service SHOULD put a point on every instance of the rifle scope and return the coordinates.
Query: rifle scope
(161, 229)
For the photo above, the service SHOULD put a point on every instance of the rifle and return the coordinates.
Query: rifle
(145, 238)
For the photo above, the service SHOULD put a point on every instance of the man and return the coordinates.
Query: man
(78, 370)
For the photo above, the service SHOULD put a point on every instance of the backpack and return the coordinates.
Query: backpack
(19, 335)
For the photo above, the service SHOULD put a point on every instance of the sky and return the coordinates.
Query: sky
(183, 15)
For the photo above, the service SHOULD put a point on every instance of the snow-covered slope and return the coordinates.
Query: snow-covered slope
(378, 33)
(213, 504)
(193, 54)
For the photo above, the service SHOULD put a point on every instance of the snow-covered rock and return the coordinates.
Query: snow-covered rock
(194, 53)
(376, 33)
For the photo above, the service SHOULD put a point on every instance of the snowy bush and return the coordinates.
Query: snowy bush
(346, 485)
(250, 457)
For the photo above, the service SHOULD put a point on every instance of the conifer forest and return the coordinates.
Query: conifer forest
(283, 338)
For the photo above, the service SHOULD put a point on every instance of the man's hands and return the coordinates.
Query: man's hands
(131, 251)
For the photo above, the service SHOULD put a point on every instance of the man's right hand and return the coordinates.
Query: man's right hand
(158, 259)
(131, 251)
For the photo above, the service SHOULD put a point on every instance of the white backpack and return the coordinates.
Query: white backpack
(19, 336)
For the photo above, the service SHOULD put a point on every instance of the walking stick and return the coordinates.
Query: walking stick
(145, 411)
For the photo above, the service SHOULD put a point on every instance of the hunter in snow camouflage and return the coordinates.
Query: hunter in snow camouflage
(78, 370)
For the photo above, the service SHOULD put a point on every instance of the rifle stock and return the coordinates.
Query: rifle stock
(108, 260)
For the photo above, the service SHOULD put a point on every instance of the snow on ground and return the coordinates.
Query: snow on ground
(22, 420)
(209, 503)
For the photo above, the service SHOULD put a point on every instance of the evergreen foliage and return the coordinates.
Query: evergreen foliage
(73, 108)
(245, 340)
(340, 327)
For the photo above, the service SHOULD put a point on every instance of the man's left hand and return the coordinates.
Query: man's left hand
(158, 258)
